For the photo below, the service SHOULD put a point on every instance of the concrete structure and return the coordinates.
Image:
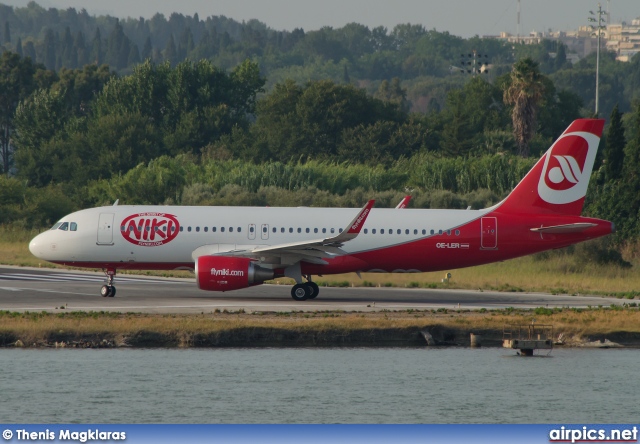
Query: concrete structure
(623, 39)
(527, 338)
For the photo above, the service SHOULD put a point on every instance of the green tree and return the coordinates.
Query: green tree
(170, 51)
(7, 32)
(49, 56)
(393, 93)
(19, 47)
(37, 121)
(524, 92)
(97, 53)
(18, 79)
(146, 49)
(561, 56)
(614, 151)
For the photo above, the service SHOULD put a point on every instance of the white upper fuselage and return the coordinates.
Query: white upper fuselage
(100, 235)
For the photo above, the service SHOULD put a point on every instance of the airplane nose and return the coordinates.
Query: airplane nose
(35, 246)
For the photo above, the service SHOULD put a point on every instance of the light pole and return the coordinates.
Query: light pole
(476, 63)
(599, 27)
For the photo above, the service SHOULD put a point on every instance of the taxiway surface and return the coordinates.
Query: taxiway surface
(33, 289)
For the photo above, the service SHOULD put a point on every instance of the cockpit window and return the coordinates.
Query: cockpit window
(64, 226)
(73, 226)
(56, 226)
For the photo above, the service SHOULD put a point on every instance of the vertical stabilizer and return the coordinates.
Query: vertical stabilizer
(558, 181)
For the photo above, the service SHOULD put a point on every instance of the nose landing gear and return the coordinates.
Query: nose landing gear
(109, 290)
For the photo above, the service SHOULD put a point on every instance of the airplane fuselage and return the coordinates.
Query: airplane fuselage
(390, 240)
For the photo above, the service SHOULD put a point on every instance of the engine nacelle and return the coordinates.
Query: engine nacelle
(224, 273)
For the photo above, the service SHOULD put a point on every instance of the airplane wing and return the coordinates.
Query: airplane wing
(312, 251)
(403, 203)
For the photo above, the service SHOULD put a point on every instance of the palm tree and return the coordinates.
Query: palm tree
(525, 92)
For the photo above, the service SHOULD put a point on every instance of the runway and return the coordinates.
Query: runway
(34, 289)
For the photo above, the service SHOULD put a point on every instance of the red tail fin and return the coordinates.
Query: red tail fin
(558, 181)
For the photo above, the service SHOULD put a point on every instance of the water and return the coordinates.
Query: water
(383, 385)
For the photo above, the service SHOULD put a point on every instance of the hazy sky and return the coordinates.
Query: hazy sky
(460, 17)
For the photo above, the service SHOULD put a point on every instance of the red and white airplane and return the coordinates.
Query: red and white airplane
(237, 247)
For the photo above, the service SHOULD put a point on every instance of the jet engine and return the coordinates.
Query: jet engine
(224, 273)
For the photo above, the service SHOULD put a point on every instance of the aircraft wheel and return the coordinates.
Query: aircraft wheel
(300, 292)
(104, 291)
(314, 290)
(112, 293)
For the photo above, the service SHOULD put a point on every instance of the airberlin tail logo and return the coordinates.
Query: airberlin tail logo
(567, 168)
(150, 229)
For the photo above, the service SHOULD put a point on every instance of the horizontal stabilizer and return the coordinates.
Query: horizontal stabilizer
(562, 229)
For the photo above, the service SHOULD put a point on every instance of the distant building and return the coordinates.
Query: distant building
(621, 38)
(579, 43)
(624, 39)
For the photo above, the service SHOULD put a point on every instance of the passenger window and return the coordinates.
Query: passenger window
(299, 230)
(448, 232)
(416, 231)
(381, 230)
(206, 229)
(251, 229)
(282, 230)
(290, 230)
(315, 230)
(373, 231)
(366, 231)
(73, 226)
(324, 230)
(333, 230)
(457, 232)
(433, 232)
(214, 229)
(222, 229)
(406, 231)
(239, 229)
(164, 228)
(399, 231)
(230, 229)
(307, 230)
(181, 229)
(197, 229)
(439, 231)
(339, 230)
(173, 229)
(275, 230)
(64, 226)
(188, 229)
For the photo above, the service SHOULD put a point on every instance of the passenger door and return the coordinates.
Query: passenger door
(105, 229)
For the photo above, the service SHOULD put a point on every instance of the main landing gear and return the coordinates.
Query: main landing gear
(305, 290)
(108, 291)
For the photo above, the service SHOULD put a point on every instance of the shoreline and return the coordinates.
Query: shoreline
(595, 328)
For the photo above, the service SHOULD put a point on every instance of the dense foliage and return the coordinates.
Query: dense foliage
(325, 118)
(422, 59)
